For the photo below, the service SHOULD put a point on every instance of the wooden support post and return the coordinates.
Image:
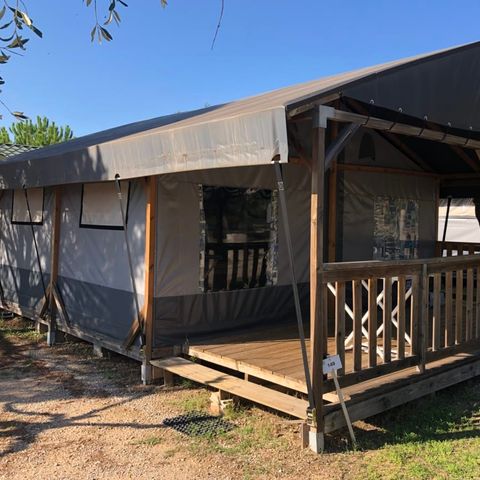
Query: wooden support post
(150, 239)
(332, 201)
(54, 259)
(317, 292)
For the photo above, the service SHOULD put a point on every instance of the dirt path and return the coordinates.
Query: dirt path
(65, 414)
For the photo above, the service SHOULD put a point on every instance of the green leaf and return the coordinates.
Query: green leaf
(19, 42)
(4, 58)
(2, 12)
(123, 3)
(36, 31)
(92, 33)
(6, 25)
(88, 2)
(20, 115)
(109, 19)
(105, 34)
(26, 19)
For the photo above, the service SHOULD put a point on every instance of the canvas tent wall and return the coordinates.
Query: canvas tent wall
(362, 230)
(182, 306)
(93, 278)
(20, 267)
(214, 142)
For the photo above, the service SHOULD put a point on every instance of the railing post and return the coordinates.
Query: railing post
(317, 290)
(423, 307)
(55, 252)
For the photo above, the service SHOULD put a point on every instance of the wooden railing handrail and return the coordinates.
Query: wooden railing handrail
(380, 264)
(452, 243)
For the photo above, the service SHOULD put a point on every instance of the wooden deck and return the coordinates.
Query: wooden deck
(403, 329)
(272, 357)
(271, 354)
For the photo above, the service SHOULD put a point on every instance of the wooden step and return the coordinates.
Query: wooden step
(296, 407)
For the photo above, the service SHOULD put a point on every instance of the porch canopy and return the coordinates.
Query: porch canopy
(440, 88)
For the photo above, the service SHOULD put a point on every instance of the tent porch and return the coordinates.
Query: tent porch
(402, 330)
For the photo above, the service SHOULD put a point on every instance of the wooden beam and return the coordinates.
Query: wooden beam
(332, 201)
(392, 171)
(393, 140)
(458, 151)
(55, 251)
(150, 240)
(316, 270)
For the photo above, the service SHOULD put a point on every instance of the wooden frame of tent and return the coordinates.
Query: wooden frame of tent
(434, 346)
(402, 328)
(425, 341)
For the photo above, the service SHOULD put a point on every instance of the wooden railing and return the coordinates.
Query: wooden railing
(393, 314)
(232, 266)
(453, 249)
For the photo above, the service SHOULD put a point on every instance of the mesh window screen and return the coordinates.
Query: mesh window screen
(239, 238)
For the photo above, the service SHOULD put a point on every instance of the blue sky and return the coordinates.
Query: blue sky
(160, 60)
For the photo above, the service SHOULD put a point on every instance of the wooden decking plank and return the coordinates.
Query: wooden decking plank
(221, 381)
(254, 370)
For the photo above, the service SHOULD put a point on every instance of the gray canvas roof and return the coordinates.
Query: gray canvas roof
(253, 130)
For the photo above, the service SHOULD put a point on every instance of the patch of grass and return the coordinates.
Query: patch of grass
(186, 383)
(252, 434)
(171, 452)
(196, 400)
(150, 441)
(437, 437)
(19, 329)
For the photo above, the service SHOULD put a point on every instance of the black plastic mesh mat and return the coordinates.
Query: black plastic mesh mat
(196, 424)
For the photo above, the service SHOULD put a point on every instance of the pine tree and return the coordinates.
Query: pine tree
(42, 132)
(4, 136)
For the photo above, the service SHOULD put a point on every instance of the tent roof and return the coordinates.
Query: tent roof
(253, 130)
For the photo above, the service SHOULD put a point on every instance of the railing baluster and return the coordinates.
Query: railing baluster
(437, 283)
(234, 279)
(458, 306)
(253, 279)
(387, 319)
(401, 317)
(469, 306)
(357, 325)
(340, 322)
(449, 331)
(414, 311)
(245, 266)
(372, 322)
(423, 319)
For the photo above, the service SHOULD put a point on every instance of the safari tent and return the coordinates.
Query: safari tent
(260, 235)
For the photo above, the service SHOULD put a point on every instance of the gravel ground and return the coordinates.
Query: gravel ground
(65, 414)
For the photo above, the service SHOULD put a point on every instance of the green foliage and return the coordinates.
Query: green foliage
(4, 136)
(36, 134)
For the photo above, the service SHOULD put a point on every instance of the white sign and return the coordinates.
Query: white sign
(332, 363)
